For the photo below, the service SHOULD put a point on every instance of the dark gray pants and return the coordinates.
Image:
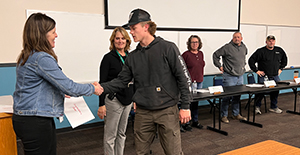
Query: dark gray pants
(165, 123)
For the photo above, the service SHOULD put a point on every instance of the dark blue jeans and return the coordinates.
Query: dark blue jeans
(194, 105)
(38, 134)
(230, 80)
(273, 94)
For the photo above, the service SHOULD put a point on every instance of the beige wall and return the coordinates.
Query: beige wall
(12, 17)
(271, 12)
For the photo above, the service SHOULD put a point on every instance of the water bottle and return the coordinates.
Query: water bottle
(266, 78)
(296, 73)
(194, 86)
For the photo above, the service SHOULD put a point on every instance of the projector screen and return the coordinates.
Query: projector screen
(178, 15)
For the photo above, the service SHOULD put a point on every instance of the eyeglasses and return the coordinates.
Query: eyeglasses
(194, 42)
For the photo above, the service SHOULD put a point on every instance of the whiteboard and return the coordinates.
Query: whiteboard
(254, 36)
(81, 43)
(287, 39)
(178, 14)
(211, 41)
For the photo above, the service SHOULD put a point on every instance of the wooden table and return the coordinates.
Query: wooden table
(8, 142)
(268, 147)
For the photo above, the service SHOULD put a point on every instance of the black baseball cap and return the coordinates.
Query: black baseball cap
(270, 37)
(137, 16)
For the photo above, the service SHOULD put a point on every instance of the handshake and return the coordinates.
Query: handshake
(98, 88)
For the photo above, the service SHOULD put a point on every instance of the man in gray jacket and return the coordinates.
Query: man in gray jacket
(233, 56)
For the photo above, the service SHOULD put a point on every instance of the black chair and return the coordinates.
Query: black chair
(217, 81)
(251, 80)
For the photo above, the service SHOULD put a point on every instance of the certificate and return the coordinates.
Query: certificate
(6, 104)
(77, 111)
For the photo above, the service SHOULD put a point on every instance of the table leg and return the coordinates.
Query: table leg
(295, 103)
(214, 119)
(248, 119)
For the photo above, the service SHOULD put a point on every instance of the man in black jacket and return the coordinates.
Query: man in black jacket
(270, 61)
(160, 80)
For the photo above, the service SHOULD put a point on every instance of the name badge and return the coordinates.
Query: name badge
(215, 89)
(270, 83)
(297, 80)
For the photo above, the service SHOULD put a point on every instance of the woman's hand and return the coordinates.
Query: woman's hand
(98, 89)
(101, 112)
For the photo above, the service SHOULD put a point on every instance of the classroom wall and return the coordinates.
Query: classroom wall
(271, 12)
(13, 16)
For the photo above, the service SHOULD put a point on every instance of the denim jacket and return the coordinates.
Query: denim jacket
(41, 86)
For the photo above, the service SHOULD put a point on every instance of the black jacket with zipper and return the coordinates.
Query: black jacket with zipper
(111, 65)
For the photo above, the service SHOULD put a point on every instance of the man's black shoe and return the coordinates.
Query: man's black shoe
(181, 129)
(187, 127)
(197, 125)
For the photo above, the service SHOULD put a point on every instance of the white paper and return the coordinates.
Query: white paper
(297, 80)
(293, 83)
(6, 104)
(77, 111)
(255, 85)
(269, 83)
(214, 89)
(61, 119)
(202, 90)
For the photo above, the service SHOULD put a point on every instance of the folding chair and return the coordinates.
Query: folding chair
(217, 81)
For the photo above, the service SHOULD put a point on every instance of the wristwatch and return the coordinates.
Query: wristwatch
(185, 109)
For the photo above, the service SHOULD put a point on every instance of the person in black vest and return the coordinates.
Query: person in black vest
(115, 106)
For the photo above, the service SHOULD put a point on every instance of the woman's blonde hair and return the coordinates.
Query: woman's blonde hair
(35, 36)
(152, 27)
(124, 33)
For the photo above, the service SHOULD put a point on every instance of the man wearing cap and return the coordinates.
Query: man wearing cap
(270, 61)
(161, 79)
(233, 68)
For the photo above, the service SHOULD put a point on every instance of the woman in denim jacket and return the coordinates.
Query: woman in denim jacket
(41, 86)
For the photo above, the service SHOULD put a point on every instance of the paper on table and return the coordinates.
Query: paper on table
(255, 85)
(6, 104)
(215, 89)
(293, 83)
(202, 90)
(77, 111)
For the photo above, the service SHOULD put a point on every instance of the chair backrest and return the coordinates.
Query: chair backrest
(218, 81)
(250, 78)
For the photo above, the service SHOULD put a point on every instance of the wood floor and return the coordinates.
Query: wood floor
(283, 128)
